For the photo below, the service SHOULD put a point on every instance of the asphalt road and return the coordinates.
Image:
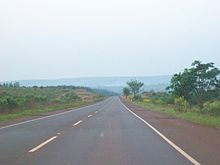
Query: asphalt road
(105, 133)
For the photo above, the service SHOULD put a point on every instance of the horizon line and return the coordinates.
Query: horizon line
(83, 77)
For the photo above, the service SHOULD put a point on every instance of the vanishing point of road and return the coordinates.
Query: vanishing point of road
(105, 133)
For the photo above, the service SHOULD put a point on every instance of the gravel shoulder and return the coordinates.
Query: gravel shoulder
(201, 142)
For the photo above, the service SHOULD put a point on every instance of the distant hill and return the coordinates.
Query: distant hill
(115, 84)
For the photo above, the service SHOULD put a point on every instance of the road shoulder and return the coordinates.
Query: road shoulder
(199, 141)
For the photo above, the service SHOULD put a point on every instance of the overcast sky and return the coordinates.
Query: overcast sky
(49, 39)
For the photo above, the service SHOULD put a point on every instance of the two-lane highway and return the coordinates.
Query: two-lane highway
(103, 133)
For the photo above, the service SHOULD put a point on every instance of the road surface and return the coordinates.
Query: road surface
(105, 133)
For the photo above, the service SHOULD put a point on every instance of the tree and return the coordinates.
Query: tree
(206, 79)
(16, 84)
(195, 82)
(126, 91)
(135, 87)
(183, 84)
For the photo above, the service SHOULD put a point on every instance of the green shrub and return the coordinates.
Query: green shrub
(181, 104)
(146, 100)
(68, 97)
(168, 99)
(8, 101)
(71, 96)
(162, 98)
(157, 101)
(138, 98)
(212, 108)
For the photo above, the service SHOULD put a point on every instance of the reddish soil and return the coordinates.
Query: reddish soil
(200, 142)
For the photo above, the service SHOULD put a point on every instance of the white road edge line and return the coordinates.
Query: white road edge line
(89, 116)
(28, 121)
(165, 138)
(77, 123)
(42, 144)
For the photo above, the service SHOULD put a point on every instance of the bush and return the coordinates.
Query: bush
(145, 100)
(138, 98)
(212, 108)
(157, 101)
(181, 104)
(68, 97)
(168, 99)
(162, 98)
(72, 96)
(7, 102)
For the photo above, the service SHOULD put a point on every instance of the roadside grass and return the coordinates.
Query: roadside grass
(41, 110)
(190, 115)
(17, 102)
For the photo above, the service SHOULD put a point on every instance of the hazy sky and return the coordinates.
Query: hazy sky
(48, 39)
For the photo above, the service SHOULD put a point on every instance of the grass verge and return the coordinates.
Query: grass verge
(42, 110)
(190, 115)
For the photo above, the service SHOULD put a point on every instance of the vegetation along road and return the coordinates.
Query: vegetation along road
(21, 103)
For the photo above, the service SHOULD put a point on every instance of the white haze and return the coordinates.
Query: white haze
(49, 39)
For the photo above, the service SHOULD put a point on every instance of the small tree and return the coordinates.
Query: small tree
(126, 91)
(135, 87)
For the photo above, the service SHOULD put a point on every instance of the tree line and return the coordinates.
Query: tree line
(197, 85)
(10, 85)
